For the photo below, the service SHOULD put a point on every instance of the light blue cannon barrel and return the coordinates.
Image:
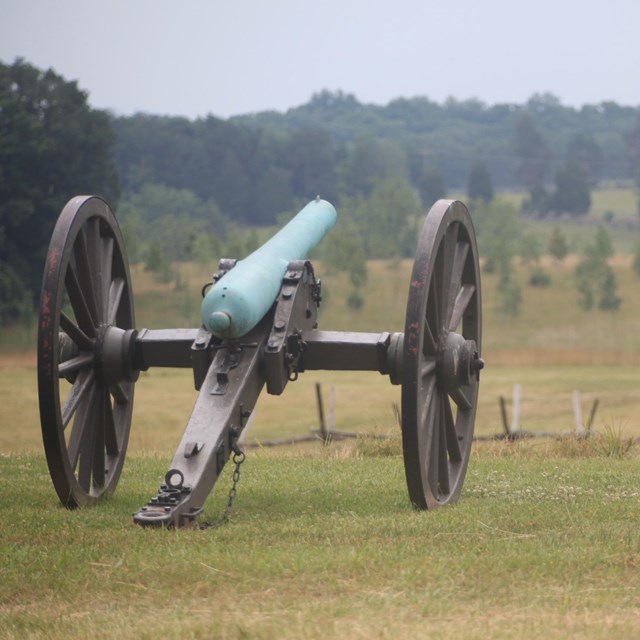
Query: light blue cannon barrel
(241, 298)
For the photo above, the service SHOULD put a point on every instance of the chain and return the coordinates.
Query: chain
(238, 458)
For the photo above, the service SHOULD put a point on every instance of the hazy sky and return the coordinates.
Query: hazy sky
(196, 57)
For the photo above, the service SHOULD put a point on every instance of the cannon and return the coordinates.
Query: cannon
(259, 327)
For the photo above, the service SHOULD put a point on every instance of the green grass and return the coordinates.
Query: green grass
(323, 544)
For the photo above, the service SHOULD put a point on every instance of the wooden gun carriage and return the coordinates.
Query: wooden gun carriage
(259, 326)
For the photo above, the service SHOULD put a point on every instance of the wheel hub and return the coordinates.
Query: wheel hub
(457, 361)
(114, 355)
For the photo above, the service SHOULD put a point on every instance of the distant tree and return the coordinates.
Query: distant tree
(585, 273)
(558, 246)
(206, 250)
(586, 152)
(595, 279)
(603, 243)
(386, 219)
(431, 186)
(636, 260)
(479, 184)
(539, 277)
(52, 146)
(609, 299)
(369, 162)
(529, 247)
(15, 299)
(313, 160)
(355, 300)
(158, 264)
(533, 158)
(633, 154)
(511, 299)
(572, 193)
(499, 231)
(343, 252)
(538, 201)
(171, 218)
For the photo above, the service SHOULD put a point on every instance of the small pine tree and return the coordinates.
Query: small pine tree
(479, 185)
(156, 260)
(511, 298)
(539, 278)
(529, 247)
(604, 245)
(431, 187)
(636, 260)
(558, 247)
(609, 300)
(355, 301)
(595, 278)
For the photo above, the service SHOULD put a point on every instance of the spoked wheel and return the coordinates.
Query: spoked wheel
(441, 361)
(85, 347)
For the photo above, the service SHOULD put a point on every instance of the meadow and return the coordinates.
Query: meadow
(544, 541)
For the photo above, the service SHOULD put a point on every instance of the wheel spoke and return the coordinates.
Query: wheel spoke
(453, 444)
(80, 338)
(84, 253)
(95, 248)
(85, 320)
(448, 251)
(459, 259)
(432, 326)
(75, 364)
(428, 367)
(443, 459)
(460, 306)
(460, 398)
(80, 388)
(433, 446)
(119, 393)
(116, 290)
(435, 303)
(81, 424)
(429, 345)
(106, 260)
(110, 435)
(90, 437)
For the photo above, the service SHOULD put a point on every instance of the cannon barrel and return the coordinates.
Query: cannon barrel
(241, 298)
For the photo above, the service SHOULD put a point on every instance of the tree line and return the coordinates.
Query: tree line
(184, 188)
(255, 167)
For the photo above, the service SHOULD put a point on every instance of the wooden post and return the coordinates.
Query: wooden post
(592, 415)
(503, 413)
(323, 426)
(577, 411)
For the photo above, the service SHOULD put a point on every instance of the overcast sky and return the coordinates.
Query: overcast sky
(195, 57)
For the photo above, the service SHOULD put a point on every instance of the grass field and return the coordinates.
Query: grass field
(544, 541)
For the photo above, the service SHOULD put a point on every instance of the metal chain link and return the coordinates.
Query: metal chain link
(238, 458)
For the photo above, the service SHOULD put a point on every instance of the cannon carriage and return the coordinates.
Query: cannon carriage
(259, 327)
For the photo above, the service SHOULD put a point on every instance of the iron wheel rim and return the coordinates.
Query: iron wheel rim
(86, 290)
(444, 314)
